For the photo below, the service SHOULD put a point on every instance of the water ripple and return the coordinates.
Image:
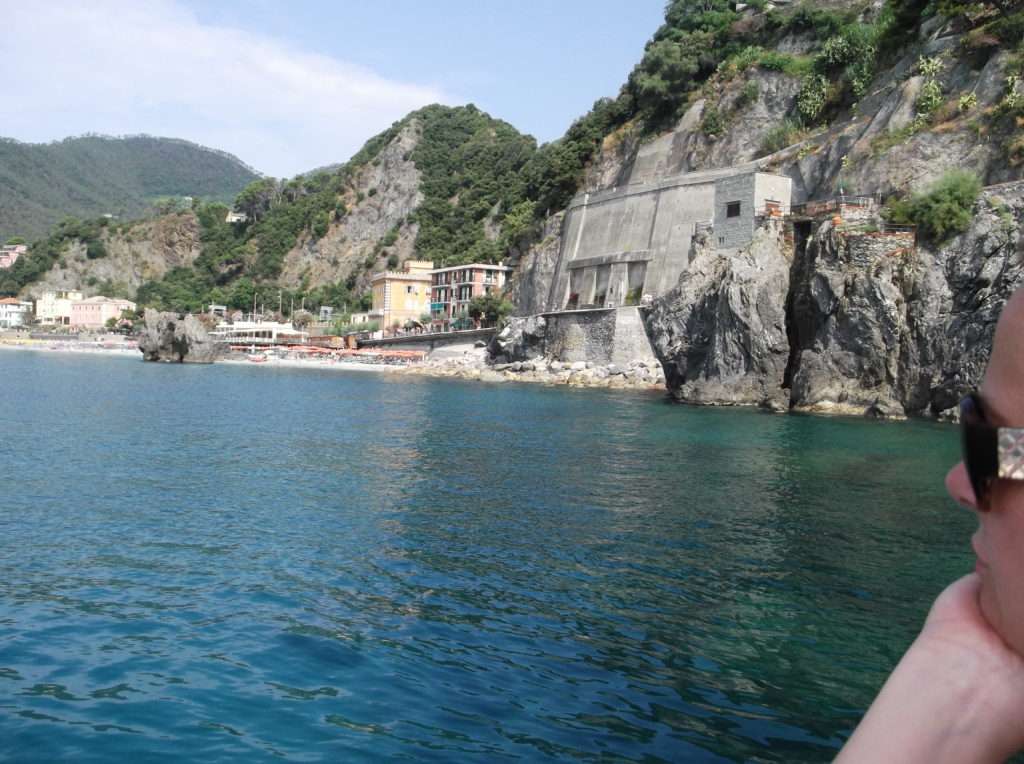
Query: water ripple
(222, 563)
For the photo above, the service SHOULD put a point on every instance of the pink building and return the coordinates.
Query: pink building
(96, 311)
(451, 289)
(10, 253)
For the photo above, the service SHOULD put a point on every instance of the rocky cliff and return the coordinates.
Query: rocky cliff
(721, 333)
(855, 318)
(852, 321)
(381, 198)
(890, 140)
(134, 254)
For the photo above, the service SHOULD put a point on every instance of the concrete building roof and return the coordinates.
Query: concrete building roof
(99, 299)
(400, 276)
(478, 266)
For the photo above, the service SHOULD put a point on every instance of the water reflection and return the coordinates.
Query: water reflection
(294, 563)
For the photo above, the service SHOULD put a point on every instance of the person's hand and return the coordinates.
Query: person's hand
(961, 645)
(956, 696)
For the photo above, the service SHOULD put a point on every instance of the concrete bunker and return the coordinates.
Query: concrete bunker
(621, 244)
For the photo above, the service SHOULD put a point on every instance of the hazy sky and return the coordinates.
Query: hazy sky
(289, 86)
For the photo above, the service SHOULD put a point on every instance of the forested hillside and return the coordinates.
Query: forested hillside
(41, 184)
(443, 184)
(882, 96)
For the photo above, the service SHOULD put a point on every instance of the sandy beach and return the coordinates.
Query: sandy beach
(129, 349)
(470, 366)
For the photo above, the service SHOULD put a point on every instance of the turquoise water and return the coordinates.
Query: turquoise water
(251, 563)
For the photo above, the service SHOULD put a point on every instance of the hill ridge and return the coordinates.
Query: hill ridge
(94, 174)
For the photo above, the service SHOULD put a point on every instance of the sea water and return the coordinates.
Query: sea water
(230, 562)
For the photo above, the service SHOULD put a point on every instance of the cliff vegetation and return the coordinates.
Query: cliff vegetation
(869, 97)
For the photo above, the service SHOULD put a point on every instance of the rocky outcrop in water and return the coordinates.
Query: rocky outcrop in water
(850, 323)
(892, 330)
(173, 338)
(721, 333)
(635, 375)
(861, 322)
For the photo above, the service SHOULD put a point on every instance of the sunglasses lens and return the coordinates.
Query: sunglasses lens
(978, 446)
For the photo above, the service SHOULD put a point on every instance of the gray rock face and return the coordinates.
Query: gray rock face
(862, 323)
(169, 338)
(721, 333)
(850, 322)
(882, 329)
(389, 188)
(138, 253)
(535, 269)
(521, 339)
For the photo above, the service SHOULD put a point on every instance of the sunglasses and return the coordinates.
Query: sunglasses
(989, 452)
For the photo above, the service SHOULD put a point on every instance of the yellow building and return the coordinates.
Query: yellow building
(401, 296)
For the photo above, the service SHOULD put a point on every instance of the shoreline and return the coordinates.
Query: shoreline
(468, 367)
(638, 376)
(471, 367)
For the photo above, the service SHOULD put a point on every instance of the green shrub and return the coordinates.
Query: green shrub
(812, 98)
(784, 134)
(899, 24)
(929, 68)
(929, 99)
(320, 225)
(967, 102)
(795, 66)
(1013, 95)
(820, 22)
(345, 327)
(491, 308)
(748, 95)
(942, 211)
(746, 58)
(849, 57)
(95, 249)
(712, 124)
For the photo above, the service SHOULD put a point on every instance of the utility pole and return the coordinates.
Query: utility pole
(279, 301)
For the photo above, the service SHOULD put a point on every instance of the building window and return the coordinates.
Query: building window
(721, 241)
(409, 290)
(732, 210)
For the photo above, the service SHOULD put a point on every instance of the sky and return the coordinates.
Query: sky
(291, 86)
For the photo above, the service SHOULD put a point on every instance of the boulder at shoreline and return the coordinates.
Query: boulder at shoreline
(173, 338)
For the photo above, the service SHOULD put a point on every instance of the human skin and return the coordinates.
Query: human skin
(957, 695)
